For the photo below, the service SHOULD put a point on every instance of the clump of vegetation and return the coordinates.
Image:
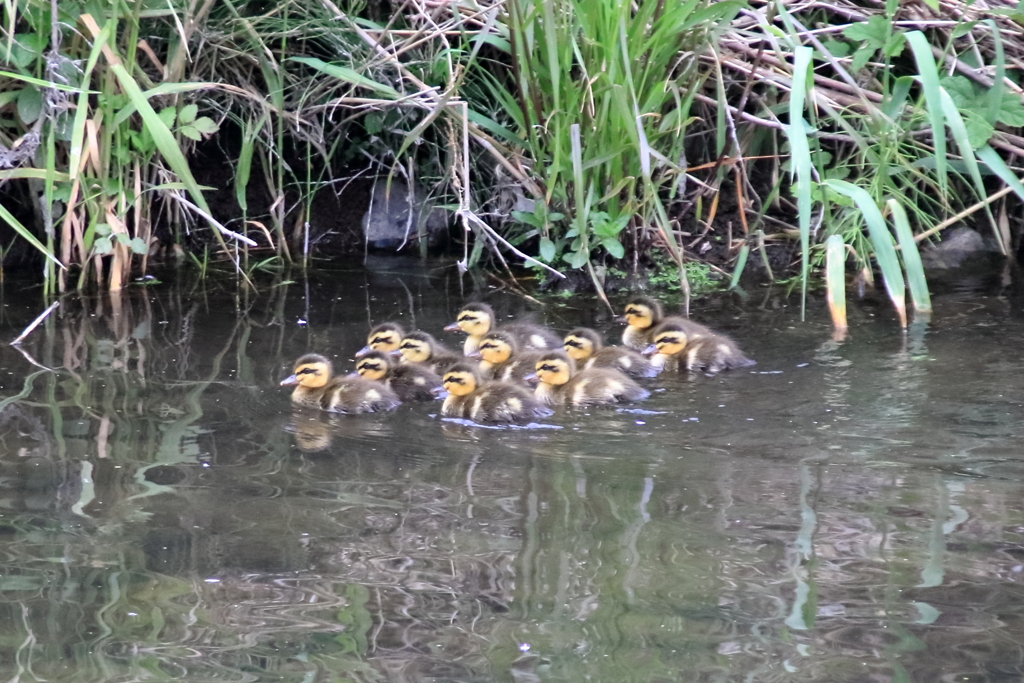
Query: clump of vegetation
(562, 134)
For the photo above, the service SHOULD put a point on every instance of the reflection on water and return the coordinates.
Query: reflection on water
(844, 512)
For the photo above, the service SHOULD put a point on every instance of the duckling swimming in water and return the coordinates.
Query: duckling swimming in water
(410, 381)
(585, 347)
(472, 398)
(422, 348)
(677, 347)
(317, 388)
(558, 382)
(644, 315)
(384, 337)
(477, 319)
(502, 359)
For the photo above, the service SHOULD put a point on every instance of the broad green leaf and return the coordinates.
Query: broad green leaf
(836, 48)
(547, 249)
(30, 104)
(979, 131)
(188, 113)
(800, 153)
(613, 247)
(874, 31)
(138, 246)
(205, 125)
(102, 246)
(860, 58)
(190, 132)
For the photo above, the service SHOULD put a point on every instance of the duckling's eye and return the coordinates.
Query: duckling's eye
(488, 346)
(307, 371)
(573, 343)
(632, 311)
(407, 345)
(380, 340)
(548, 368)
(452, 380)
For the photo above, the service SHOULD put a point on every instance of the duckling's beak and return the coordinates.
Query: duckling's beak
(439, 392)
(473, 354)
(395, 352)
(532, 378)
(352, 375)
(650, 350)
(454, 327)
(619, 319)
(363, 351)
(290, 379)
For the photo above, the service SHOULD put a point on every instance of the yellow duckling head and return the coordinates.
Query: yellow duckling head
(311, 371)
(497, 347)
(374, 365)
(417, 347)
(670, 340)
(582, 343)
(642, 312)
(461, 379)
(385, 337)
(555, 368)
(474, 319)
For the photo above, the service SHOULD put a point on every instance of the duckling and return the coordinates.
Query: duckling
(558, 382)
(472, 398)
(411, 382)
(502, 359)
(678, 346)
(422, 348)
(644, 314)
(384, 337)
(318, 389)
(477, 319)
(584, 346)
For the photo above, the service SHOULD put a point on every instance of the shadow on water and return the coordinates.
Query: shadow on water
(843, 512)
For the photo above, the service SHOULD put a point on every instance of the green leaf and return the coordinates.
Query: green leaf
(190, 132)
(347, 75)
(873, 32)
(102, 229)
(547, 250)
(27, 48)
(138, 246)
(881, 240)
(613, 247)
(961, 90)
(30, 104)
(860, 58)
(102, 246)
(894, 45)
(836, 48)
(963, 29)
(578, 259)
(122, 238)
(206, 125)
(167, 116)
(188, 113)
(25, 234)
(979, 131)
(911, 258)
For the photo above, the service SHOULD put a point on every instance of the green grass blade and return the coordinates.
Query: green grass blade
(835, 280)
(741, 263)
(929, 77)
(347, 75)
(800, 150)
(996, 164)
(881, 240)
(995, 93)
(959, 131)
(911, 259)
(26, 234)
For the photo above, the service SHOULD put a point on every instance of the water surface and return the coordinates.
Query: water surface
(842, 512)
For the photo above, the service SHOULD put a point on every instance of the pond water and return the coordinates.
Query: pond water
(840, 512)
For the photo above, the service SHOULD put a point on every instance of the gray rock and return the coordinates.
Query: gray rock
(388, 223)
(958, 245)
